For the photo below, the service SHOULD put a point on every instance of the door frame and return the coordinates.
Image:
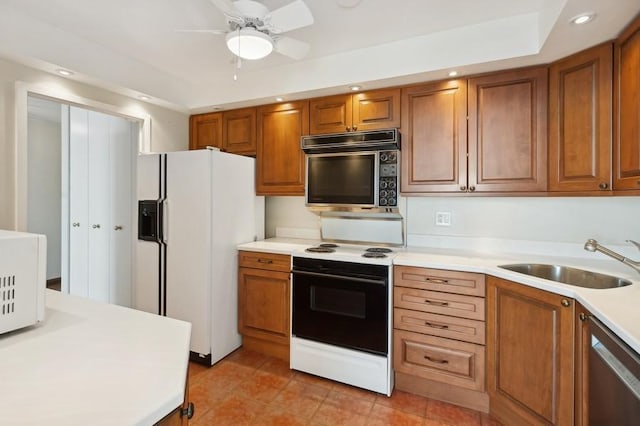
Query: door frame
(63, 96)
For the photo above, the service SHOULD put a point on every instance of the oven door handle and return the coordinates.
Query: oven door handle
(340, 277)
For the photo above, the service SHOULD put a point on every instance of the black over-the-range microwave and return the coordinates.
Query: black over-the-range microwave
(353, 171)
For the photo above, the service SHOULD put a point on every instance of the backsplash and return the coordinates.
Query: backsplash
(485, 221)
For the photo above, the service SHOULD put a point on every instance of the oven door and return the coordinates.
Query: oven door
(346, 311)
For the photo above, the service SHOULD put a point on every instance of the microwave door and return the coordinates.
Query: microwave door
(342, 179)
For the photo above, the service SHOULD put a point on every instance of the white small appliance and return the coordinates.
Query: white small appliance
(23, 268)
(194, 208)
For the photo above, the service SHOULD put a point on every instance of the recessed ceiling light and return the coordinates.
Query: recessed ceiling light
(583, 18)
(453, 73)
(355, 88)
(144, 97)
(66, 73)
(279, 99)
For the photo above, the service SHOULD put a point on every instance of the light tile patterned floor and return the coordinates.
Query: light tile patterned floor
(247, 388)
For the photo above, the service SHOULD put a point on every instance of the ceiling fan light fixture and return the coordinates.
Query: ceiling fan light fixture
(249, 43)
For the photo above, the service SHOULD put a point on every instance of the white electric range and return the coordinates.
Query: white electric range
(341, 313)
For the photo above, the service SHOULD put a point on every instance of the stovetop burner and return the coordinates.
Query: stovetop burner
(374, 254)
(378, 250)
(328, 245)
(320, 249)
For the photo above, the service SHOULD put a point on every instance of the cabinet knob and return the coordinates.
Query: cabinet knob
(583, 316)
(355, 128)
(117, 227)
(463, 188)
(76, 224)
(565, 303)
(348, 129)
(472, 188)
(189, 411)
(603, 185)
(96, 226)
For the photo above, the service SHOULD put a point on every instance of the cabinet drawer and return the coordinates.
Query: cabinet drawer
(269, 261)
(443, 360)
(463, 329)
(440, 280)
(439, 303)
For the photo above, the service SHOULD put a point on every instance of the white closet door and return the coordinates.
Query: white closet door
(99, 209)
(122, 138)
(78, 203)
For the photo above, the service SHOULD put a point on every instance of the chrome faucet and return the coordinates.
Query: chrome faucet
(592, 245)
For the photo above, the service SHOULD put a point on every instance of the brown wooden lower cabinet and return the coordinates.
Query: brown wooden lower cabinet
(530, 358)
(582, 345)
(439, 335)
(263, 297)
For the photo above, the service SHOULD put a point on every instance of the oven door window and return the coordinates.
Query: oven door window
(340, 311)
(342, 179)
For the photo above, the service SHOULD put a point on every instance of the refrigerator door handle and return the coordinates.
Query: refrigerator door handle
(165, 221)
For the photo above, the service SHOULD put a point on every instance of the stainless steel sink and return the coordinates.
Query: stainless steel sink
(568, 275)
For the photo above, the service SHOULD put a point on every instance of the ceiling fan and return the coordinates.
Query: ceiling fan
(254, 31)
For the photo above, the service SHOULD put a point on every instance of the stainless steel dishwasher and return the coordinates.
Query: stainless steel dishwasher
(614, 379)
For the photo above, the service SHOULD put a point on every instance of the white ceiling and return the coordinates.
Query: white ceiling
(132, 46)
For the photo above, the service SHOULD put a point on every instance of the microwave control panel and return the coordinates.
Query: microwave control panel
(388, 184)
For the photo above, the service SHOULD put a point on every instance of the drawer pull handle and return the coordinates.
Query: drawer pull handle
(432, 325)
(436, 280)
(437, 361)
(267, 261)
(431, 302)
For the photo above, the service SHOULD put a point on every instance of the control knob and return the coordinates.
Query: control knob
(383, 156)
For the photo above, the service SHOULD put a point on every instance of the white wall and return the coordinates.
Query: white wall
(610, 220)
(169, 129)
(44, 198)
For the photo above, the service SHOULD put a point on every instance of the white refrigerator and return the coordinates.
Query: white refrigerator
(194, 208)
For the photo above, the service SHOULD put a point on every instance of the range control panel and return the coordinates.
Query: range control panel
(388, 184)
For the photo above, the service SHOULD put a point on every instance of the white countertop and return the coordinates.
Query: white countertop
(93, 363)
(618, 308)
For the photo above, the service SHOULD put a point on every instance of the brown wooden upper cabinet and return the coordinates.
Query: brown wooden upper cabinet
(205, 130)
(434, 137)
(378, 109)
(488, 134)
(280, 162)
(508, 131)
(232, 131)
(626, 95)
(580, 104)
(239, 131)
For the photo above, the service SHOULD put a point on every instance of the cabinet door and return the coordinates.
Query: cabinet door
(264, 304)
(205, 130)
(508, 131)
(626, 164)
(239, 131)
(379, 109)
(582, 346)
(434, 137)
(580, 121)
(280, 161)
(331, 114)
(529, 354)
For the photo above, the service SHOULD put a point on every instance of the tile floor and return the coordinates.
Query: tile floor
(247, 388)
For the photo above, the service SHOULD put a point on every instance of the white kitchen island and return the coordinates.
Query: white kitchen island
(93, 363)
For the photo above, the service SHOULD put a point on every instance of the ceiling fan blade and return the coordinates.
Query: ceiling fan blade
(291, 47)
(203, 31)
(290, 17)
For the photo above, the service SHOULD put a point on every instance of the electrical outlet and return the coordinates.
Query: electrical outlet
(443, 218)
